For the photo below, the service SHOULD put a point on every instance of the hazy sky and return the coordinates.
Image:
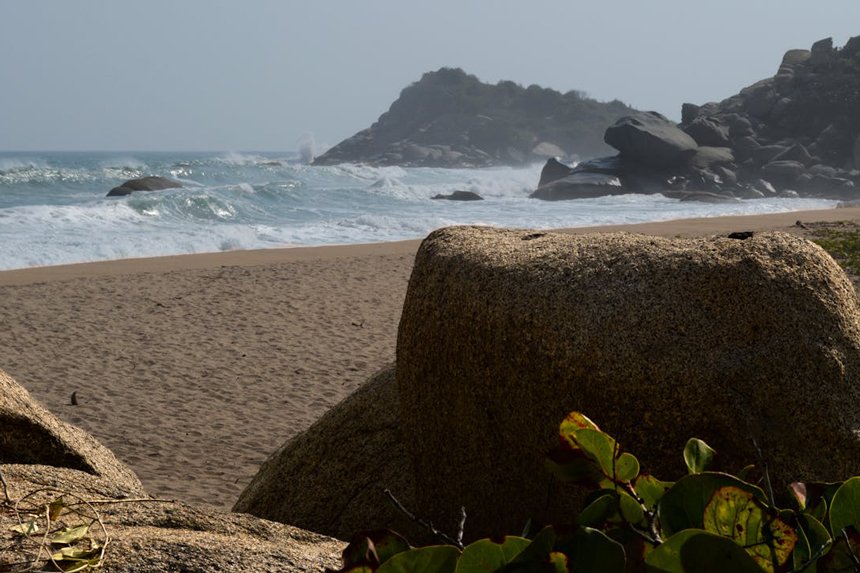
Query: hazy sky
(258, 74)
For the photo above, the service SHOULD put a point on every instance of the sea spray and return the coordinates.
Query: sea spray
(53, 207)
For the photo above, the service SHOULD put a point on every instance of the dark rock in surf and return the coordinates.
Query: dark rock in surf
(151, 183)
(460, 196)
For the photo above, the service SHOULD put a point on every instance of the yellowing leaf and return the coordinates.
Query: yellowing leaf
(737, 515)
(26, 528)
(55, 508)
(70, 535)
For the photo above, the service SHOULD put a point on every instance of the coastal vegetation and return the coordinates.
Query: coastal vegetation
(633, 521)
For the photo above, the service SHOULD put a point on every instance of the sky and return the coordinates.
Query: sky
(260, 75)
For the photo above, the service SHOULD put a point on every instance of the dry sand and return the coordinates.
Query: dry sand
(193, 369)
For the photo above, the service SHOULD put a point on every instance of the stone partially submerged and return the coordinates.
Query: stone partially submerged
(150, 183)
(657, 340)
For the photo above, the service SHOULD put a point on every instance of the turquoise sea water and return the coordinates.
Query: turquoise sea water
(54, 209)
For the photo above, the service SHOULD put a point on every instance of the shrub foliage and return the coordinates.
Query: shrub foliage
(632, 521)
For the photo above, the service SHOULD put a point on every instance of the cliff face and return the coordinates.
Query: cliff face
(451, 119)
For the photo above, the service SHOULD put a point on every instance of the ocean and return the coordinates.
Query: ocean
(54, 209)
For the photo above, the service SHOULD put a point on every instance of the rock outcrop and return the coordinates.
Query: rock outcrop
(331, 478)
(657, 340)
(43, 459)
(451, 119)
(163, 536)
(30, 434)
(150, 183)
(796, 133)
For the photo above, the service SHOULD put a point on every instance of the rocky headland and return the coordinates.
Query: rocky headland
(796, 133)
(451, 119)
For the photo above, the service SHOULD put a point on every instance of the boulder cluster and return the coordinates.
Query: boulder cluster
(794, 134)
(658, 340)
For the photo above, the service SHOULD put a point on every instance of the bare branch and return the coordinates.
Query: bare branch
(428, 525)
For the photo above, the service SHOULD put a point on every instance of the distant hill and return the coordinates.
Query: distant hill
(451, 119)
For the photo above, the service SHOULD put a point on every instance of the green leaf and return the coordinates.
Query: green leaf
(650, 489)
(432, 559)
(707, 553)
(840, 558)
(537, 553)
(83, 565)
(603, 449)
(26, 528)
(683, 506)
(845, 507)
(598, 511)
(74, 554)
(487, 556)
(70, 534)
(630, 509)
(571, 423)
(816, 534)
(735, 514)
(666, 557)
(592, 550)
(388, 544)
(574, 466)
(695, 550)
(698, 455)
(626, 467)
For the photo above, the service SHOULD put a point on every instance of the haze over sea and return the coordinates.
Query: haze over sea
(54, 209)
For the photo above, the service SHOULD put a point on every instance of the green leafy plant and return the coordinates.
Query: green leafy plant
(706, 521)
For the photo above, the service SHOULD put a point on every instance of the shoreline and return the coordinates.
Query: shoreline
(193, 369)
(254, 257)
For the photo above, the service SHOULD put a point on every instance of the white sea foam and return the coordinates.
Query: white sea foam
(53, 209)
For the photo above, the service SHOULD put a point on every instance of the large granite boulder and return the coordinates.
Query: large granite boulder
(658, 340)
(150, 183)
(580, 185)
(553, 170)
(30, 434)
(650, 138)
(331, 478)
(155, 536)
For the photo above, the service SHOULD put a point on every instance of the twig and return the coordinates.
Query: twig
(813, 558)
(767, 483)
(5, 485)
(427, 524)
(461, 527)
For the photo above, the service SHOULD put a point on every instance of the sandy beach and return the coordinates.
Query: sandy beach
(193, 369)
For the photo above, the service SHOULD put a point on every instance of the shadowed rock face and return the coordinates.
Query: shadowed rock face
(150, 183)
(503, 332)
(30, 434)
(331, 478)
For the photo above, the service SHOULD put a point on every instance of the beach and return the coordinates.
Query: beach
(192, 369)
